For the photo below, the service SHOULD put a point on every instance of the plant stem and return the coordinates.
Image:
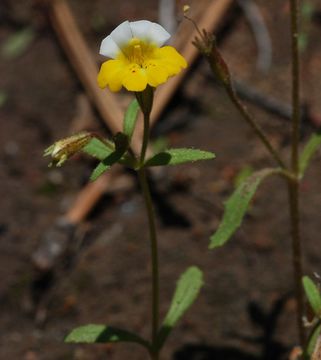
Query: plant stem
(153, 238)
(145, 139)
(293, 190)
(293, 186)
(154, 254)
(253, 124)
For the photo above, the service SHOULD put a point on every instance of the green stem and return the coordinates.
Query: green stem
(296, 123)
(154, 352)
(154, 254)
(253, 124)
(145, 139)
(293, 186)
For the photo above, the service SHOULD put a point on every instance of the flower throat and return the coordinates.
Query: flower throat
(138, 51)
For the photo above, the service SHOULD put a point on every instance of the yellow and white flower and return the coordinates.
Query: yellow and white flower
(138, 57)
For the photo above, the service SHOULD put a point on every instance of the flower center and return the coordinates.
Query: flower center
(138, 51)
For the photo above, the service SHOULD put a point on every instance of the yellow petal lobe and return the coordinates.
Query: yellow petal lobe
(139, 65)
(134, 78)
(155, 72)
(170, 59)
(111, 74)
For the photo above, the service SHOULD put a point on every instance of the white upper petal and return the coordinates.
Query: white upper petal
(119, 37)
(147, 30)
(109, 48)
(123, 33)
(157, 34)
(140, 28)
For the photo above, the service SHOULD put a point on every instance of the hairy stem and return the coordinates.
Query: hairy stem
(253, 124)
(293, 186)
(153, 237)
(145, 139)
(154, 252)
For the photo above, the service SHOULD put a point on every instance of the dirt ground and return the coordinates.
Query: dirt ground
(246, 309)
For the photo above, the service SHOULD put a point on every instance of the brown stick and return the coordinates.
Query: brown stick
(84, 64)
(88, 198)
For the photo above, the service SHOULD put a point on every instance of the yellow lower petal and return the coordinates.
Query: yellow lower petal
(111, 74)
(170, 60)
(155, 72)
(134, 78)
(149, 65)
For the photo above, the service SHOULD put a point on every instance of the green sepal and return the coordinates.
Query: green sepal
(187, 290)
(237, 205)
(313, 294)
(96, 333)
(145, 99)
(178, 156)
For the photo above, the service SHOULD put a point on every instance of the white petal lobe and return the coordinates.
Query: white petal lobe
(122, 34)
(157, 34)
(140, 29)
(109, 48)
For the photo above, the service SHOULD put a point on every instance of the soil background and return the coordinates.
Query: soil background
(246, 309)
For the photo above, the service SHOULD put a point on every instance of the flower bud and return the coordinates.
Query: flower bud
(186, 9)
(63, 149)
(206, 44)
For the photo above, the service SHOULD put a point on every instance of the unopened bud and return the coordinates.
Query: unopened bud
(186, 9)
(63, 149)
(207, 46)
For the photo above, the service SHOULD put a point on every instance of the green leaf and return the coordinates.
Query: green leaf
(309, 150)
(121, 142)
(106, 164)
(312, 342)
(237, 205)
(313, 294)
(131, 118)
(98, 149)
(94, 333)
(99, 170)
(178, 156)
(17, 43)
(121, 146)
(187, 289)
(244, 173)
